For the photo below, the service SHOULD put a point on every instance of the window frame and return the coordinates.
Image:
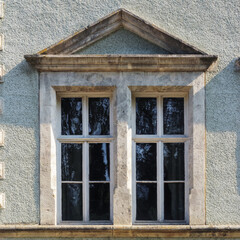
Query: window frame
(85, 139)
(160, 138)
(121, 86)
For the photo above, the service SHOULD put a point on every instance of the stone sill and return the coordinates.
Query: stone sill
(107, 231)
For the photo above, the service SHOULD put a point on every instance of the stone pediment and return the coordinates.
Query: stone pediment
(68, 54)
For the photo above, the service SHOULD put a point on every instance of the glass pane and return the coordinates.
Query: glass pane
(99, 201)
(173, 115)
(146, 161)
(71, 202)
(146, 116)
(99, 116)
(146, 201)
(99, 161)
(173, 161)
(71, 116)
(71, 162)
(174, 201)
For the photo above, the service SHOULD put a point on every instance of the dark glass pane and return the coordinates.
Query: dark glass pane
(99, 201)
(173, 161)
(173, 115)
(146, 201)
(71, 202)
(99, 161)
(99, 116)
(71, 116)
(146, 116)
(146, 161)
(71, 162)
(174, 201)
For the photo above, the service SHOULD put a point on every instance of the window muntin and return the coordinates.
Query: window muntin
(85, 194)
(160, 198)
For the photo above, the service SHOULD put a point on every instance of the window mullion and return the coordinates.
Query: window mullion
(85, 162)
(159, 116)
(134, 182)
(161, 181)
(85, 116)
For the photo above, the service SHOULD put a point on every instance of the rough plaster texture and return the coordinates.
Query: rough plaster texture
(31, 25)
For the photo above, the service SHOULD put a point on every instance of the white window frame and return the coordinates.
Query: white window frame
(160, 139)
(85, 139)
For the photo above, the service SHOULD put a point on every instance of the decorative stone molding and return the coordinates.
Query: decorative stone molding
(1, 138)
(182, 56)
(122, 63)
(1, 9)
(2, 170)
(2, 71)
(1, 42)
(2, 200)
(106, 231)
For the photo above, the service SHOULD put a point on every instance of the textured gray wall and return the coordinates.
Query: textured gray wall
(31, 25)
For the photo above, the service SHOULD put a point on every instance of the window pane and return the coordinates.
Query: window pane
(99, 161)
(146, 116)
(72, 202)
(99, 201)
(146, 161)
(173, 115)
(173, 161)
(71, 116)
(99, 116)
(146, 201)
(71, 162)
(174, 201)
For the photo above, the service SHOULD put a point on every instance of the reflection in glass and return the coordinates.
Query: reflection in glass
(71, 162)
(71, 116)
(99, 116)
(146, 116)
(173, 115)
(99, 161)
(173, 161)
(72, 202)
(146, 201)
(174, 201)
(99, 201)
(146, 161)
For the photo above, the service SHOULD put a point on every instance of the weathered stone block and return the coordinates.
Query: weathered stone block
(2, 70)
(2, 200)
(1, 42)
(2, 170)
(1, 138)
(1, 9)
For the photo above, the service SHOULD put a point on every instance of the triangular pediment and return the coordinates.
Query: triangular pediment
(112, 23)
(146, 48)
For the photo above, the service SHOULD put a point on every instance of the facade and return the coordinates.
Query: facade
(152, 119)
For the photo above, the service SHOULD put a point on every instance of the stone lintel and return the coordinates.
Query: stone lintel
(122, 63)
(178, 231)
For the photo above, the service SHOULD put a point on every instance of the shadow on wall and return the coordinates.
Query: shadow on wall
(223, 116)
(20, 121)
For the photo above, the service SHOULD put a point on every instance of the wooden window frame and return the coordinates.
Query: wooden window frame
(160, 139)
(85, 139)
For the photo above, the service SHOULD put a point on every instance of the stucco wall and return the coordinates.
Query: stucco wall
(31, 25)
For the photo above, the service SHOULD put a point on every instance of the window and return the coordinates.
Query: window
(160, 140)
(86, 162)
(73, 88)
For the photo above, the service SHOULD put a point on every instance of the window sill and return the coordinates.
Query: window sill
(92, 231)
